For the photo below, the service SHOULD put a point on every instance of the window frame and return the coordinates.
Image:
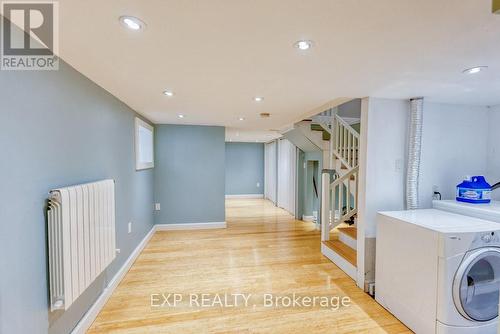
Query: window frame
(139, 165)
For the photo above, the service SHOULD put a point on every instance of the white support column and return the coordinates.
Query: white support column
(325, 207)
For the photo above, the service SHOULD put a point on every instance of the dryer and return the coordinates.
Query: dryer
(439, 272)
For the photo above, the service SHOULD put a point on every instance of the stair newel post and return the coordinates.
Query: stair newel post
(325, 206)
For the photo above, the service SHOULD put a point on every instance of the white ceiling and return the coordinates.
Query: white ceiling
(244, 135)
(217, 55)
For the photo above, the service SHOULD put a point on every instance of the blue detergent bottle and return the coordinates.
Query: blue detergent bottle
(474, 190)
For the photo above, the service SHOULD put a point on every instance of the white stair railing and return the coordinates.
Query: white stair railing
(339, 200)
(345, 142)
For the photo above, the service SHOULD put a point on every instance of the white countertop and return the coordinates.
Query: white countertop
(489, 211)
(442, 221)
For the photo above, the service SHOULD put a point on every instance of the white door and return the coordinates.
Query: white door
(287, 170)
(270, 171)
(477, 284)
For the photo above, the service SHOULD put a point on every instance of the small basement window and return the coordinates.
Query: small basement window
(144, 145)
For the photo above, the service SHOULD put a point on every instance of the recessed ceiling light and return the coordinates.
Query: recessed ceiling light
(474, 70)
(180, 116)
(258, 99)
(241, 119)
(168, 93)
(303, 45)
(132, 22)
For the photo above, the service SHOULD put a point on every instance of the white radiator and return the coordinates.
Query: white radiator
(81, 237)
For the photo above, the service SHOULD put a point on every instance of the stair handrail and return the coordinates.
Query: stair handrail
(345, 142)
(342, 181)
(329, 218)
(347, 125)
(344, 177)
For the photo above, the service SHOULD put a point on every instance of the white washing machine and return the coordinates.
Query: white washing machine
(439, 272)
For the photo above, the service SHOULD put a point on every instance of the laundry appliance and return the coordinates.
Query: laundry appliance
(439, 272)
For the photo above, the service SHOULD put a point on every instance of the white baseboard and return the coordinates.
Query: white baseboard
(308, 218)
(89, 317)
(245, 196)
(190, 226)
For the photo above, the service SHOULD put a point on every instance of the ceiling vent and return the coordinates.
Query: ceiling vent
(265, 114)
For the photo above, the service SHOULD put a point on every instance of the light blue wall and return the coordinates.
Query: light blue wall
(58, 128)
(311, 202)
(189, 174)
(244, 168)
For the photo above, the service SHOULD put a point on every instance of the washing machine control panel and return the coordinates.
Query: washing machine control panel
(488, 238)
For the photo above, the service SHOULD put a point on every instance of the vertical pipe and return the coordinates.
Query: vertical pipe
(414, 152)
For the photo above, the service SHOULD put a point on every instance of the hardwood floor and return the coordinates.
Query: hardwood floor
(263, 251)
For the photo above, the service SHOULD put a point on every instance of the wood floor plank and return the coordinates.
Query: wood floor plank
(263, 251)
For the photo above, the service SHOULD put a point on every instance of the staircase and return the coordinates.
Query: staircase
(308, 136)
(313, 135)
(339, 198)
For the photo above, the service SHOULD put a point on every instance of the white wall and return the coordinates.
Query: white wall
(270, 171)
(454, 144)
(493, 164)
(287, 174)
(456, 141)
(384, 125)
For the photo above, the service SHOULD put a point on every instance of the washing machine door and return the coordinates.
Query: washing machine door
(477, 284)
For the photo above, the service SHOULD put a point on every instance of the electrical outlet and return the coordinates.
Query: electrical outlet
(129, 227)
(436, 195)
(258, 184)
(157, 206)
